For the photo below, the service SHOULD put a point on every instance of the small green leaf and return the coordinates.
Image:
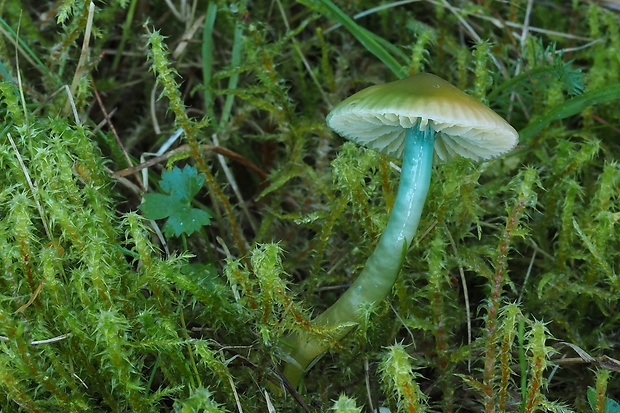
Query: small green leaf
(157, 206)
(186, 222)
(611, 406)
(182, 184)
(180, 187)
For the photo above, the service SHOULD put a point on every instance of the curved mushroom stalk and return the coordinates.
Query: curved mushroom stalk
(382, 268)
(400, 119)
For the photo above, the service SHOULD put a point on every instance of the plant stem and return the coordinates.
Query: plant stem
(382, 268)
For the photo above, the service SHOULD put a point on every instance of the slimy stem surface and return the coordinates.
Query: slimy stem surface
(382, 268)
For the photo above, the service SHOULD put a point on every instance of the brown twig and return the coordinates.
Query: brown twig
(187, 149)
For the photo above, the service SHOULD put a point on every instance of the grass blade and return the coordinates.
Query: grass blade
(569, 108)
(373, 43)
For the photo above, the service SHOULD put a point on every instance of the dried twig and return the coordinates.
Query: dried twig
(186, 149)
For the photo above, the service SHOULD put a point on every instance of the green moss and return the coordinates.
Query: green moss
(99, 311)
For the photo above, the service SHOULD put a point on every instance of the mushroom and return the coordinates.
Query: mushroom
(406, 119)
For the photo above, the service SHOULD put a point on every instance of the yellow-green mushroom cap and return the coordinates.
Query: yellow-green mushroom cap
(377, 117)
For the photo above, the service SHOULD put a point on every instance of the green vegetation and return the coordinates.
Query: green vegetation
(213, 115)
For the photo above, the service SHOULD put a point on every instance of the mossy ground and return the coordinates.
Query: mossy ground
(99, 311)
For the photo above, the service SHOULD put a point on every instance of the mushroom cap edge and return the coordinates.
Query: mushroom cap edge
(378, 116)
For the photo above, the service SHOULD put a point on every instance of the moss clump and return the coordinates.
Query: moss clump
(99, 311)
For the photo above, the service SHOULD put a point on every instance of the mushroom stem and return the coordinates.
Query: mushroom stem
(382, 268)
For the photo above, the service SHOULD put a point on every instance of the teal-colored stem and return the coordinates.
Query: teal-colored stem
(382, 268)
